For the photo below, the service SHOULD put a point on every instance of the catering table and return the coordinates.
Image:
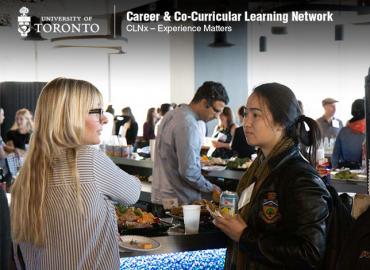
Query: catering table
(143, 167)
(342, 185)
(179, 249)
(206, 250)
(228, 179)
(178, 243)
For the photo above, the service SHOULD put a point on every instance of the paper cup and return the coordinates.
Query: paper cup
(191, 218)
(125, 151)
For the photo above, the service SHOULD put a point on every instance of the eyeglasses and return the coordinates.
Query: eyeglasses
(99, 112)
(217, 111)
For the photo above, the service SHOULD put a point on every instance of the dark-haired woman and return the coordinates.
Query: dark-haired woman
(148, 127)
(165, 108)
(223, 134)
(348, 145)
(239, 144)
(284, 205)
(130, 127)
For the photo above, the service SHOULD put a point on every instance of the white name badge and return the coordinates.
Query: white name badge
(335, 123)
(245, 198)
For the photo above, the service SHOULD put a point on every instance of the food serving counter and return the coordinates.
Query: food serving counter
(228, 179)
(341, 185)
(200, 259)
(206, 250)
(213, 239)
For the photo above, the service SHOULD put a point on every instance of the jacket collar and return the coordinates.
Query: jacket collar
(280, 159)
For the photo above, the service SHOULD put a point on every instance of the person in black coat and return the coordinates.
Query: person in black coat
(130, 126)
(283, 210)
(4, 231)
(240, 146)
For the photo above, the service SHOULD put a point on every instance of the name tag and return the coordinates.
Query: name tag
(245, 197)
(335, 123)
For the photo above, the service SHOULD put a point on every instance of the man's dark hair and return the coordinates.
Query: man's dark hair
(241, 110)
(211, 91)
(358, 110)
(165, 107)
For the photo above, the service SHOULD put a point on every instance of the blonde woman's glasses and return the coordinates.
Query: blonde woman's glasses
(98, 112)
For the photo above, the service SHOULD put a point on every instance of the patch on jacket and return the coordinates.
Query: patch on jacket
(365, 254)
(270, 208)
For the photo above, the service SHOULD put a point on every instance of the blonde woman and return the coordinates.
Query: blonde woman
(19, 135)
(61, 208)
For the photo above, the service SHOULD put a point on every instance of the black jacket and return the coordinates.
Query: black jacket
(240, 146)
(4, 231)
(287, 222)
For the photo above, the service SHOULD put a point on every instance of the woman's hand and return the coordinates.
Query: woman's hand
(216, 193)
(19, 152)
(216, 144)
(232, 226)
(9, 147)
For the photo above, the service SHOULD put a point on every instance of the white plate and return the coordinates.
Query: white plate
(133, 242)
(214, 168)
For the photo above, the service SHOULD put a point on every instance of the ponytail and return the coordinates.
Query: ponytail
(310, 139)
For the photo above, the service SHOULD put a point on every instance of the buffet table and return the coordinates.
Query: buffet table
(178, 243)
(228, 179)
(341, 185)
(206, 248)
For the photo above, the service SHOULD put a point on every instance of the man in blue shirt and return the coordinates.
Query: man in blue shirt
(177, 171)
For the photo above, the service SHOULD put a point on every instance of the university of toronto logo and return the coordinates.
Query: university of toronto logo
(24, 22)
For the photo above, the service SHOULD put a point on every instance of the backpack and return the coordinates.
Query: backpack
(339, 227)
(356, 251)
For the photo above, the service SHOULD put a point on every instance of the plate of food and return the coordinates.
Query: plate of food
(211, 161)
(238, 163)
(132, 220)
(344, 175)
(138, 243)
(213, 168)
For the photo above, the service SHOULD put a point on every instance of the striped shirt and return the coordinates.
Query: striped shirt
(87, 240)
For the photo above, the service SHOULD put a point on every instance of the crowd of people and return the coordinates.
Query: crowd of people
(228, 139)
(349, 150)
(62, 207)
(14, 145)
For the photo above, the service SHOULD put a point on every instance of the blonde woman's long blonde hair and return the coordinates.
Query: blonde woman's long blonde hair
(59, 128)
(26, 114)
